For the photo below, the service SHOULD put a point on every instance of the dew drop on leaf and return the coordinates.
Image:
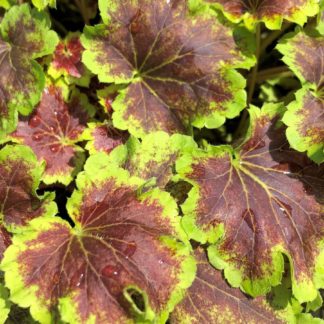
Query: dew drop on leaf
(130, 249)
(37, 136)
(110, 271)
(34, 121)
(55, 148)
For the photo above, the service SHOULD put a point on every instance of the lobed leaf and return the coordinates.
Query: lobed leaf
(67, 61)
(24, 37)
(123, 244)
(305, 119)
(271, 12)
(153, 159)
(20, 175)
(175, 67)
(255, 203)
(211, 300)
(53, 130)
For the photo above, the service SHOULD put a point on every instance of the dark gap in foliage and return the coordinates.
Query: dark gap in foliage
(179, 191)
(137, 298)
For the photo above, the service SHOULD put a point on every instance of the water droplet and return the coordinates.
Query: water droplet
(52, 128)
(37, 136)
(161, 261)
(110, 271)
(130, 249)
(55, 148)
(34, 121)
(77, 278)
(55, 113)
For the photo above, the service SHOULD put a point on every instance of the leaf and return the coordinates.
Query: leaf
(211, 300)
(4, 304)
(24, 37)
(122, 244)
(53, 130)
(42, 4)
(176, 69)
(20, 175)
(6, 3)
(5, 240)
(305, 119)
(271, 12)
(255, 203)
(67, 61)
(153, 158)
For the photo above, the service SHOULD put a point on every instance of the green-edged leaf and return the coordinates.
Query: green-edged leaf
(305, 116)
(4, 304)
(320, 19)
(24, 36)
(173, 65)
(211, 300)
(67, 62)
(271, 12)
(153, 159)
(53, 130)
(20, 175)
(42, 4)
(257, 202)
(7, 3)
(123, 245)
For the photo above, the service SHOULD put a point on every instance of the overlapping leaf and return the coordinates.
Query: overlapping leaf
(53, 130)
(153, 159)
(24, 36)
(20, 174)
(124, 244)
(211, 300)
(305, 116)
(172, 64)
(103, 137)
(67, 61)
(257, 202)
(42, 4)
(271, 12)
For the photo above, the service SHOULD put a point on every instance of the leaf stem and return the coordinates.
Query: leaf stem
(272, 73)
(253, 77)
(83, 10)
(273, 36)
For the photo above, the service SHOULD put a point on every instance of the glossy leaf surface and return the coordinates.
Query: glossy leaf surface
(52, 131)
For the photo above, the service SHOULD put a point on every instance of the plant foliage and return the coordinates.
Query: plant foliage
(161, 161)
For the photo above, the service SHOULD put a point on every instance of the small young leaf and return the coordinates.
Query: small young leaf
(122, 243)
(211, 300)
(305, 118)
(53, 130)
(271, 12)
(174, 66)
(256, 202)
(20, 175)
(67, 62)
(24, 37)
